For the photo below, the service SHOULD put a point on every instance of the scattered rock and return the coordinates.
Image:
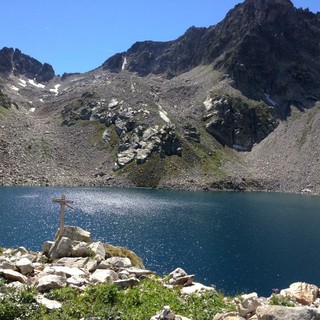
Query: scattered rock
(103, 276)
(195, 288)
(287, 313)
(61, 248)
(12, 275)
(25, 266)
(49, 282)
(302, 292)
(49, 304)
(167, 314)
(76, 234)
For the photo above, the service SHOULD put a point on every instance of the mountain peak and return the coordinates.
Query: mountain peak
(13, 60)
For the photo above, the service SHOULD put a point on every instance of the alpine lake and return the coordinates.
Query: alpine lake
(238, 242)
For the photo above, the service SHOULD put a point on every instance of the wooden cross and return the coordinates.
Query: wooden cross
(63, 204)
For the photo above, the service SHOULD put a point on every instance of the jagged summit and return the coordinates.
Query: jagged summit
(13, 60)
(268, 47)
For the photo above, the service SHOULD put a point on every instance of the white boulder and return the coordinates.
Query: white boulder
(25, 266)
(49, 282)
(103, 275)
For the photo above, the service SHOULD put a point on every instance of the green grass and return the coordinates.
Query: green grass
(279, 300)
(107, 301)
(3, 111)
(115, 251)
(46, 148)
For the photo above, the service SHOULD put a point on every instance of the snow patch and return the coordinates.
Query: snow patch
(41, 100)
(124, 63)
(14, 88)
(38, 85)
(56, 89)
(164, 115)
(272, 102)
(23, 83)
(32, 109)
(208, 104)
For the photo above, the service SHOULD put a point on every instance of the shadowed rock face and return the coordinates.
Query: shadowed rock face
(268, 47)
(20, 64)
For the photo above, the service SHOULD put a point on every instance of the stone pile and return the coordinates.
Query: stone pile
(71, 260)
(301, 301)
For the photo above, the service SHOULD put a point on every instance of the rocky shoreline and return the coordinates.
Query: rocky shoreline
(74, 261)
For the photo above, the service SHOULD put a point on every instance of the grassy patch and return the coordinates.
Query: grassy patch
(46, 148)
(106, 301)
(113, 251)
(279, 300)
(146, 175)
(3, 111)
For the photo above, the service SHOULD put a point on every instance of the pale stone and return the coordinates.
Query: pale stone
(304, 293)
(286, 313)
(81, 250)
(98, 249)
(49, 304)
(25, 266)
(76, 234)
(47, 246)
(64, 271)
(126, 283)
(77, 281)
(12, 275)
(123, 274)
(49, 282)
(227, 316)
(195, 288)
(5, 264)
(180, 277)
(102, 275)
(77, 262)
(91, 265)
(61, 248)
(119, 262)
(177, 273)
(139, 272)
(249, 303)
(20, 251)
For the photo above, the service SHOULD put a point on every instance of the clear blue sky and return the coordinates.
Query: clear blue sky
(79, 35)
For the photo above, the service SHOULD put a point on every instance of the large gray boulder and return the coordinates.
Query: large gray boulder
(12, 275)
(25, 266)
(103, 275)
(287, 313)
(49, 304)
(49, 282)
(302, 292)
(76, 234)
(62, 248)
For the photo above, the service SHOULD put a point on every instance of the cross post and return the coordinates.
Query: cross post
(63, 204)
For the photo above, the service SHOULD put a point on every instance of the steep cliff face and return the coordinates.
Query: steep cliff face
(269, 48)
(13, 60)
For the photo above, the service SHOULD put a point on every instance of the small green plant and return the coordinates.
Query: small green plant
(63, 294)
(116, 251)
(280, 300)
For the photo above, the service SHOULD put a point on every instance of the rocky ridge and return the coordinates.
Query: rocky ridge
(206, 111)
(73, 260)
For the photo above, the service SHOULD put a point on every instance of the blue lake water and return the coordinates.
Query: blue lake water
(240, 242)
